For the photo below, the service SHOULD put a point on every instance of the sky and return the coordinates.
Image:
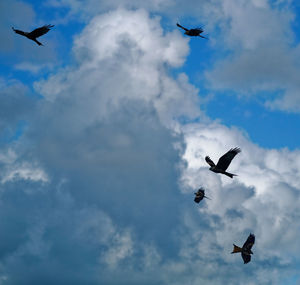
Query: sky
(104, 131)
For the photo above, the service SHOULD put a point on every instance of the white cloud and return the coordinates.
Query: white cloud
(263, 56)
(33, 68)
(140, 53)
(264, 198)
(26, 172)
(112, 211)
(257, 37)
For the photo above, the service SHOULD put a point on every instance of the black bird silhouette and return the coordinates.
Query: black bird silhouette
(192, 32)
(223, 162)
(200, 194)
(246, 249)
(35, 33)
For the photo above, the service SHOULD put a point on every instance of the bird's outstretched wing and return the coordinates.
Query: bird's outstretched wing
(203, 37)
(225, 160)
(181, 27)
(246, 258)
(40, 31)
(209, 161)
(249, 242)
(18, 31)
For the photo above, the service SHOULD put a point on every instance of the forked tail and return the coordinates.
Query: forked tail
(236, 249)
(229, 174)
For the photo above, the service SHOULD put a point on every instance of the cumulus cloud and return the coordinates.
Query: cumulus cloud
(102, 148)
(111, 173)
(263, 57)
(264, 197)
(140, 53)
(256, 37)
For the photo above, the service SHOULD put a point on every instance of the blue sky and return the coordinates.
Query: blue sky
(262, 124)
(104, 130)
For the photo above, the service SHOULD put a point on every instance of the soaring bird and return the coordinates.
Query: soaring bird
(246, 249)
(200, 194)
(223, 162)
(35, 33)
(192, 32)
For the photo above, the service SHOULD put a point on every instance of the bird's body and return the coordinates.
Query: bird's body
(35, 33)
(218, 170)
(200, 194)
(223, 162)
(246, 249)
(192, 32)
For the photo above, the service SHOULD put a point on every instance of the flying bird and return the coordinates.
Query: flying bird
(223, 162)
(246, 249)
(192, 32)
(200, 194)
(35, 33)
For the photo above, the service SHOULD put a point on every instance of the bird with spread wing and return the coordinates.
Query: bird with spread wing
(192, 32)
(35, 33)
(223, 162)
(246, 249)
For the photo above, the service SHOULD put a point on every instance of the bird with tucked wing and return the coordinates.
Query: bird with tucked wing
(223, 162)
(192, 32)
(246, 249)
(200, 194)
(35, 33)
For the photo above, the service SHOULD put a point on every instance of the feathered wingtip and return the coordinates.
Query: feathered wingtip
(209, 161)
(236, 150)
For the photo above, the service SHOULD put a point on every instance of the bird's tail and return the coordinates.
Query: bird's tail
(178, 25)
(229, 174)
(236, 249)
(40, 44)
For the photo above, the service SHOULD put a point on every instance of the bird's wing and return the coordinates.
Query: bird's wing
(18, 32)
(40, 31)
(203, 37)
(209, 161)
(197, 199)
(225, 160)
(249, 242)
(246, 258)
(181, 27)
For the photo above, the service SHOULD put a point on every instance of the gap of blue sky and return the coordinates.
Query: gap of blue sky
(125, 164)
(266, 127)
